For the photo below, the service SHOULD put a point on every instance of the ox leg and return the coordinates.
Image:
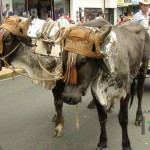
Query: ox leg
(140, 84)
(58, 117)
(123, 120)
(140, 90)
(102, 119)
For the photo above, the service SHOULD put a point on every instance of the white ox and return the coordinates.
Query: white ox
(17, 50)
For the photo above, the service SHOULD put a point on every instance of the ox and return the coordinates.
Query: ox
(16, 50)
(24, 45)
(109, 72)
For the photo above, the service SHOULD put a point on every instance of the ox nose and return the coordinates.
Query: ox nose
(70, 100)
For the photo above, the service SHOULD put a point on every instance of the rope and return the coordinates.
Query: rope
(3, 58)
(48, 71)
(32, 78)
(77, 118)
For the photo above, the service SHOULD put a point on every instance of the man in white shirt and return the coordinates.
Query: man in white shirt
(142, 16)
(100, 15)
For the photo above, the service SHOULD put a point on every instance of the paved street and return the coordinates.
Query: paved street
(26, 111)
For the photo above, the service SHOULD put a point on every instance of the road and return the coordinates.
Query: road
(26, 111)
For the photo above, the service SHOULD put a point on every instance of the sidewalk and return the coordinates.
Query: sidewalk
(5, 72)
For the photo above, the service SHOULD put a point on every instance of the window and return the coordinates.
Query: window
(91, 13)
(127, 1)
(18, 7)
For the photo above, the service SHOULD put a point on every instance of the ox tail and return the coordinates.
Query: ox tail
(132, 91)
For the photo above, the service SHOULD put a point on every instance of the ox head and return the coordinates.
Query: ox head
(82, 60)
(16, 50)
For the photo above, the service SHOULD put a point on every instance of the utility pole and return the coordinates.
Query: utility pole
(1, 11)
(104, 7)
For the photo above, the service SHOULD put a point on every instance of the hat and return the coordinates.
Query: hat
(144, 1)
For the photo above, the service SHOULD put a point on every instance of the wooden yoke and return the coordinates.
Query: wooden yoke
(81, 40)
(16, 26)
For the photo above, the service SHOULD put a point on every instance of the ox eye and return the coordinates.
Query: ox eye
(84, 61)
(7, 40)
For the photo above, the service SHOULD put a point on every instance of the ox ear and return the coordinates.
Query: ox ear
(103, 66)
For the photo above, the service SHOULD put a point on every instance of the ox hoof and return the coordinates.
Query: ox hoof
(139, 120)
(138, 123)
(58, 131)
(58, 134)
(101, 148)
(54, 118)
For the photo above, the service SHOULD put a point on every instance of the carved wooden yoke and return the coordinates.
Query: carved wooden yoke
(81, 40)
(16, 26)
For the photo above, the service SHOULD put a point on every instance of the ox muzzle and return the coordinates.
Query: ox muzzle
(72, 94)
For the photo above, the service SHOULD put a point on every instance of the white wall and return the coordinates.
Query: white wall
(110, 3)
(91, 3)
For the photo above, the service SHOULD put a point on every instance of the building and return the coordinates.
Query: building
(127, 6)
(77, 8)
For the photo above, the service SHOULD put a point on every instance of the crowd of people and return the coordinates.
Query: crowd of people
(141, 17)
(125, 17)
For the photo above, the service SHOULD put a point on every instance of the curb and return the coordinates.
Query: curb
(6, 73)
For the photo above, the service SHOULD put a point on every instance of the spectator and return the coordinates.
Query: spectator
(88, 18)
(72, 22)
(34, 17)
(142, 16)
(63, 21)
(7, 12)
(82, 20)
(67, 16)
(48, 17)
(121, 20)
(100, 15)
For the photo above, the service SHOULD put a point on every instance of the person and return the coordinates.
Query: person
(62, 20)
(120, 20)
(142, 16)
(67, 16)
(48, 17)
(72, 22)
(100, 15)
(7, 12)
(33, 10)
(82, 20)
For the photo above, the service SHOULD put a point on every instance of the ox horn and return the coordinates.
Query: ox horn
(101, 35)
(104, 32)
(25, 26)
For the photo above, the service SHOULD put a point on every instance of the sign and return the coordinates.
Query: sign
(135, 1)
(120, 1)
(124, 2)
